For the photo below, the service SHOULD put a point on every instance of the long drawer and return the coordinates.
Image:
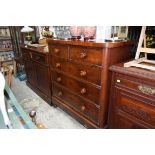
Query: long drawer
(141, 87)
(86, 55)
(87, 109)
(89, 73)
(135, 106)
(85, 90)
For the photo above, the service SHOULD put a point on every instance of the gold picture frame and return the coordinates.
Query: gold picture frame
(122, 32)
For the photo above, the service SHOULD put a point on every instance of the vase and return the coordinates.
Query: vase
(89, 32)
(76, 32)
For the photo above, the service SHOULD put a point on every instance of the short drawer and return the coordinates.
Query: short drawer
(86, 55)
(25, 54)
(85, 90)
(59, 50)
(142, 87)
(84, 107)
(89, 73)
(39, 58)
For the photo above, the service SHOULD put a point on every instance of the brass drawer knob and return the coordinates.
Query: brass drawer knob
(83, 91)
(57, 65)
(83, 55)
(59, 79)
(83, 108)
(56, 51)
(59, 93)
(83, 73)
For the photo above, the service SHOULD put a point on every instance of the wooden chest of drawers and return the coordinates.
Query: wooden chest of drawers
(80, 77)
(132, 103)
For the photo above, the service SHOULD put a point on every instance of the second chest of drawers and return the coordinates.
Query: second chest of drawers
(80, 78)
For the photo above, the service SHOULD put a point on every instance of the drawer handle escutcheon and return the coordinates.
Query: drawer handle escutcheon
(56, 50)
(83, 108)
(146, 90)
(59, 79)
(83, 90)
(58, 65)
(83, 73)
(83, 55)
(59, 93)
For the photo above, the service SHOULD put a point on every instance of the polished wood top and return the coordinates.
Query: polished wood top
(137, 72)
(93, 43)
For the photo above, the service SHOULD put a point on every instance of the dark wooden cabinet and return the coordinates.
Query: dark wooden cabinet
(37, 71)
(30, 71)
(80, 78)
(132, 99)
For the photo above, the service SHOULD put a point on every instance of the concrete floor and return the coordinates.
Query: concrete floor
(50, 117)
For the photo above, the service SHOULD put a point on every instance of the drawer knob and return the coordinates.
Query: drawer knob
(83, 55)
(59, 79)
(83, 108)
(146, 90)
(58, 65)
(83, 90)
(56, 50)
(83, 73)
(59, 93)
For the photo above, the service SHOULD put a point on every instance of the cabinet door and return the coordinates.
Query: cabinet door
(42, 78)
(129, 111)
(29, 68)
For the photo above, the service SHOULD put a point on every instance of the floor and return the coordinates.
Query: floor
(50, 117)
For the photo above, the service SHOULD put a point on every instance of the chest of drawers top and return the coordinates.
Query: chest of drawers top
(99, 44)
(83, 51)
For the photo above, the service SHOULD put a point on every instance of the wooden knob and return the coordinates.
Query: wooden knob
(60, 94)
(83, 73)
(56, 50)
(58, 65)
(83, 91)
(83, 55)
(59, 79)
(83, 108)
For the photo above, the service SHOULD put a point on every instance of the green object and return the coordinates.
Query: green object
(17, 115)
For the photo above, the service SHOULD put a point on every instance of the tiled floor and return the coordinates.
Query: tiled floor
(50, 117)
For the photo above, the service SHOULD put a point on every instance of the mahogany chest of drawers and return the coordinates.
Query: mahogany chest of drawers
(80, 78)
(132, 100)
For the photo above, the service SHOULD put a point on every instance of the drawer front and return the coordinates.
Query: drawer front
(25, 54)
(140, 86)
(86, 55)
(86, 72)
(79, 88)
(39, 58)
(136, 106)
(85, 108)
(59, 51)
